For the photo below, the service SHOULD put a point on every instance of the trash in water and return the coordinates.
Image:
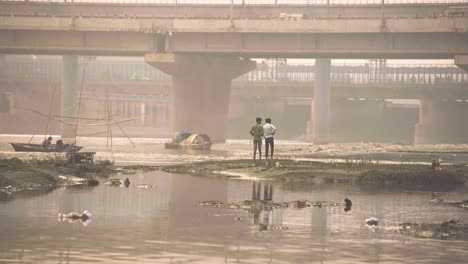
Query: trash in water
(146, 186)
(277, 165)
(114, 182)
(372, 222)
(73, 217)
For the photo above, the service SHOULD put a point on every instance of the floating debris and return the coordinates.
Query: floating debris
(72, 181)
(266, 227)
(372, 222)
(146, 186)
(263, 205)
(114, 182)
(72, 217)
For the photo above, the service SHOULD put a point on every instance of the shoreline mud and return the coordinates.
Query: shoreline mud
(42, 175)
(360, 172)
(35, 176)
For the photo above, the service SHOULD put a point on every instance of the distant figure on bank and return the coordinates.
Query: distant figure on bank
(348, 204)
(269, 131)
(47, 143)
(126, 182)
(257, 133)
(436, 165)
(59, 145)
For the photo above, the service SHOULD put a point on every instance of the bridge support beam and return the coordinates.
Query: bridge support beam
(442, 122)
(201, 89)
(70, 87)
(319, 126)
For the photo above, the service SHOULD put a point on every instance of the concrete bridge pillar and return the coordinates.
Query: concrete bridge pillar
(442, 122)
(462, 61)
(201, 89)
(70, 87)
(319, 126)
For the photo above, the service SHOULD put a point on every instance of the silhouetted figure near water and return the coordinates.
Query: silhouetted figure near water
(257, 133)
(269, 131)
(348, 204)
(47, 143)
(127, 182)
(59, 145)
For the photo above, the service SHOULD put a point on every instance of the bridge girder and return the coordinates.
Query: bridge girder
(416, 38)
(292, 45)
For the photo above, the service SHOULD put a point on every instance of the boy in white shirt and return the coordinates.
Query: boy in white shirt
(269, 132)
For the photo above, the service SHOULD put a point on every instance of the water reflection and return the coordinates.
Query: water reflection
(262, 216)
(164, 224)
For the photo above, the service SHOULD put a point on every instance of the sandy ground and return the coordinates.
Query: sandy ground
(150, 151)
(298, 160)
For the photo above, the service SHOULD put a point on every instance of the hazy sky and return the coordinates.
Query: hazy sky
(256, 1)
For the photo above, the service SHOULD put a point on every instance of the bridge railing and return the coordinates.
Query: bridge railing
(254, 2)
(340, 73)
(362, 74)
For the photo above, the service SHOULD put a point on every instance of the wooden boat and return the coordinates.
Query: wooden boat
(23, 147)
(189, 141)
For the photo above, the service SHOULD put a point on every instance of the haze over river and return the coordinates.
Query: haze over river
(166, 225)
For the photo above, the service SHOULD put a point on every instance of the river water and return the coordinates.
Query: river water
(165, 224)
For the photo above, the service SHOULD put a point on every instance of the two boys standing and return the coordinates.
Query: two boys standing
(258, 132)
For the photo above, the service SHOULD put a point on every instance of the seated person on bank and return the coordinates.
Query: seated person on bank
(59, 145)
(47, 143)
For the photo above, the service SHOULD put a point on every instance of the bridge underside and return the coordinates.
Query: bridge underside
(316, 45)
(50, 42)
(251, 45)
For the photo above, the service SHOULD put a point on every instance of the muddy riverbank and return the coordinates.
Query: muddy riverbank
(41, 175)
(359, 172)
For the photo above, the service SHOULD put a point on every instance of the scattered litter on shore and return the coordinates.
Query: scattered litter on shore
(263, 205)
(451, 229)
(460, 204)
(146, 186)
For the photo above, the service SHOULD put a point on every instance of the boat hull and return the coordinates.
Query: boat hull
(191, 146)
(22, 147)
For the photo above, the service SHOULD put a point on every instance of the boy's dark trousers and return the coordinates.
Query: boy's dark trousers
(269, 142)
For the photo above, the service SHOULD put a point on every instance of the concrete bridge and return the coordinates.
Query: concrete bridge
(203, 52)
(137, 89)
(411, 81)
